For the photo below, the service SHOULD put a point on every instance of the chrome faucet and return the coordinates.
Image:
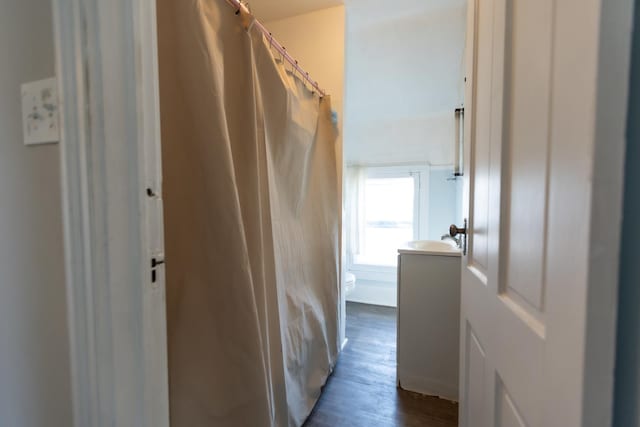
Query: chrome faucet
(449, 237)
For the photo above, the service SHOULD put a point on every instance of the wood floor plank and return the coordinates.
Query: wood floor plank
(362, 390)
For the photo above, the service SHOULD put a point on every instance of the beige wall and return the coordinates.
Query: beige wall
(34, 356)
(272, 10)
(317, 41)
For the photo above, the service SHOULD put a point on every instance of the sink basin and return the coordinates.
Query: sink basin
(431, 247)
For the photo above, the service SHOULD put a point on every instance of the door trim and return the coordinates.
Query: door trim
(106, 63)
(614, 71)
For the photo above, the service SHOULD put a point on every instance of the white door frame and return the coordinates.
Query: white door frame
(110, 154)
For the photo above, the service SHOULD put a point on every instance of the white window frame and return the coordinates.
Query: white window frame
(420, 173)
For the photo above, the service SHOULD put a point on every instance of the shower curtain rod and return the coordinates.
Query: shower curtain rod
(237, 4)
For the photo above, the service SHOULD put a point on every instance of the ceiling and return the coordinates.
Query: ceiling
(270, 10)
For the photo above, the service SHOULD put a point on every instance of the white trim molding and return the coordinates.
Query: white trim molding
(110, 153)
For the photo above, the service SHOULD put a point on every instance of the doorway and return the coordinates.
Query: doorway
(113, 331)
(396, 113)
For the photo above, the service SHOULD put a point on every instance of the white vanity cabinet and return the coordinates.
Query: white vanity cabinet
(429, 318)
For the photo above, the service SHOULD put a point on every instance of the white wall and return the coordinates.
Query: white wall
(443, 201)
(34, 360)
(404, 79)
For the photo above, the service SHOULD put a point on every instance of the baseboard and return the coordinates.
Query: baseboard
(427, 386)
(376, 293)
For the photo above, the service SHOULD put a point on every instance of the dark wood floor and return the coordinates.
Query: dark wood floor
(362, 390)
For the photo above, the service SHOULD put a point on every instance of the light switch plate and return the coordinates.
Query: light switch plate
(40, 112)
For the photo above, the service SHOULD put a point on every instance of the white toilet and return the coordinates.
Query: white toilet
(350, 283)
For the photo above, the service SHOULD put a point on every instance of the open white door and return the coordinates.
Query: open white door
(546, 98)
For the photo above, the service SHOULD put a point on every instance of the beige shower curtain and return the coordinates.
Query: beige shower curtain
(251, 224)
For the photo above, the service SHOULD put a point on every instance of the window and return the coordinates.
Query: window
(389, 219)
(384, 207)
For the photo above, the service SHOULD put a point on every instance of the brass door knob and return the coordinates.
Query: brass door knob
(455, 230)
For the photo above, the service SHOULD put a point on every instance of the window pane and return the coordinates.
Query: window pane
(388, 219)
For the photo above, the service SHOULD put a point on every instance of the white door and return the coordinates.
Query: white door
(534, 337)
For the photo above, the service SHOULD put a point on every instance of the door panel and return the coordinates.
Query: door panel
(507, 414)
(527, 91)
(475, 371)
